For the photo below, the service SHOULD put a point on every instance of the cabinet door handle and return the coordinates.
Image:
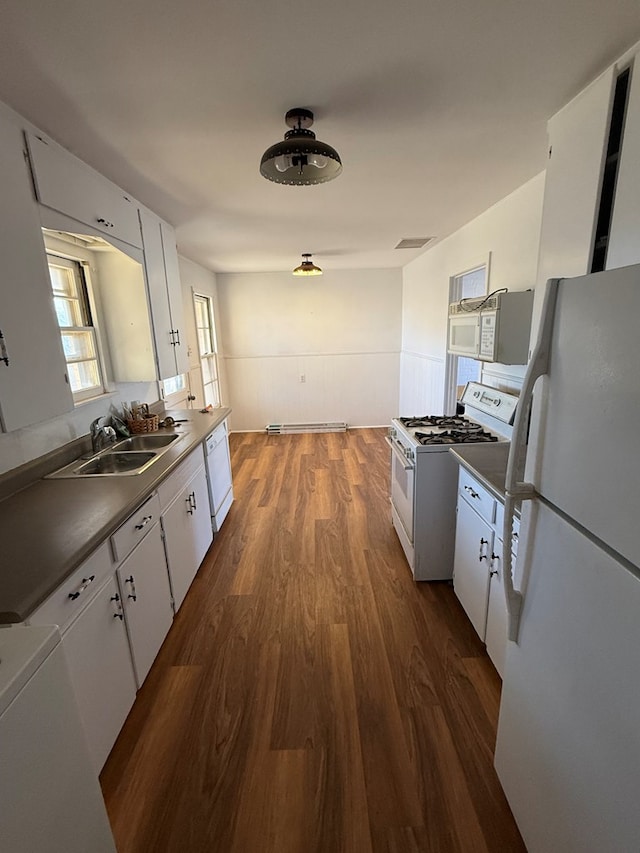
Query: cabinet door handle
(472, 492)
(178, 337)
(494, 559)
(81, 589)
(117, 615)
(144, 522)
(191, 500)
(482, 556)
(132, 594)
(105, 222)
(193, 496)
(4, 356)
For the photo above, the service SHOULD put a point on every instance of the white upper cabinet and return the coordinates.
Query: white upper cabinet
(165, 296)
(577, 139)
(33, 384)
(624, 238)
(68, 185)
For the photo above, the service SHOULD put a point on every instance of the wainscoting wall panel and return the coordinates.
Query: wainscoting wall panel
(359, 388)
(421, 384)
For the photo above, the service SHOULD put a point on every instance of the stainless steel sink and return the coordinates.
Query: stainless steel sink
(143, 442)
(116, 463)
(126, 458)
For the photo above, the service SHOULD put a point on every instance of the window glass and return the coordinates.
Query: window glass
(207, 349)
(469, 285)
(174, 384)
(79, 342)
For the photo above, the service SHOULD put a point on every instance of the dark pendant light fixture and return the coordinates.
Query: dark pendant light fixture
(307, 267)
(300, 159)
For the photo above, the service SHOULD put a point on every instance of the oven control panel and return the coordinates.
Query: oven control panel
(491, 401)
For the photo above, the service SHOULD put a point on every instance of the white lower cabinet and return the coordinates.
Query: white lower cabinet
(146, 597)
(474, 541)
(186, 522)
(116, 608)
(477, 578)
(88, 610)
(97, 651)
(496, 632)
(497, 619)
(50, 799)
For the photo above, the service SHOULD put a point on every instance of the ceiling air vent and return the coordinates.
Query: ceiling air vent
(414, 242)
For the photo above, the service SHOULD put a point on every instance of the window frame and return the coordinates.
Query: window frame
(210, 357)
(451, 360)
(85, 300)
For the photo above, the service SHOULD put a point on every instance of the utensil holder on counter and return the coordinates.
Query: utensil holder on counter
(148, 423)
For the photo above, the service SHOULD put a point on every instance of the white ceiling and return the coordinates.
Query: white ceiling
(438, 109)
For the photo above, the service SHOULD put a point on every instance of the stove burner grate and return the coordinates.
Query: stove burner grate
(455, 436)
(446, 421)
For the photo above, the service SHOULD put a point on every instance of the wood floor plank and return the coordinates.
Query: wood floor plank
(310, 696)
(391, 789)
(347, 787)
(274, 808)
(154, 754)
(486, 682)
(450, 819)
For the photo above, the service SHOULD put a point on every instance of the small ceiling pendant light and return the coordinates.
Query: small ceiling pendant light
(307, 267)
(301, 159)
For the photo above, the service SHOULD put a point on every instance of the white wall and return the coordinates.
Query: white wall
(509, 232)
(341, 332)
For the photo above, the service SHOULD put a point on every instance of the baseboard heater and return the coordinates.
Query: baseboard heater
(325, 426)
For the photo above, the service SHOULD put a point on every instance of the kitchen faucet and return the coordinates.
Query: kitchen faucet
(102, 434)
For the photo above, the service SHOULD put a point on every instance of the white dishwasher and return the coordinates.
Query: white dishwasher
(219, 474)
(50, 799)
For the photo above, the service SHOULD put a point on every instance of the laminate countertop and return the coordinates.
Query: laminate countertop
(50, 526)
(487, 462)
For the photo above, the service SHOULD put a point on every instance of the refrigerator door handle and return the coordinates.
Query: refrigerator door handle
(517, 489)
(512, 596)
(538, 366)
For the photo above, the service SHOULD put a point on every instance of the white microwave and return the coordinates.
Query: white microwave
(492, 328)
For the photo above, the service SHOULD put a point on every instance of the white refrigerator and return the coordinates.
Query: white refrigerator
(568, 745)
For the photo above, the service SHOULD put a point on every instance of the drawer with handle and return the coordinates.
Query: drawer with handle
(178, 479)
(477, 496)
(70, 598)
(135, 528)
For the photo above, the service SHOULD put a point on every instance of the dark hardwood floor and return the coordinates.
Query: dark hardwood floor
(310, 697)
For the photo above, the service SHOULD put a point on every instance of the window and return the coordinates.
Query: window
(175, 391)
(79, 342)
(461, 370)
(207, 349)
(467, 286)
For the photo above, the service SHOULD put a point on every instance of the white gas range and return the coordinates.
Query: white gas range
(424, 474)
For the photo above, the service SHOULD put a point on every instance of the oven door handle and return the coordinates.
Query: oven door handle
(407, 464)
